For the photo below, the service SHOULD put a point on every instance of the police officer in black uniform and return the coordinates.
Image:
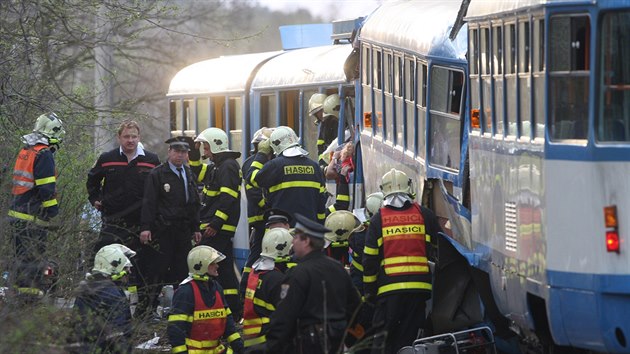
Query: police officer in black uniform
(170, 218)
(318, 298)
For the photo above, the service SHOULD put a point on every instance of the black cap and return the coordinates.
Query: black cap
(277, 215)
(310, 227)
(178, 143)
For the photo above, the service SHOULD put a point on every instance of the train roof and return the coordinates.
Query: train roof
(485, 8)
(304, 67)
(419, 26)
(225, 74)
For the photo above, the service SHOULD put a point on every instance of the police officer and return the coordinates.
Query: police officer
(263, 287)
(200, 317)
(34, 199)
(170, 218)
(221, 206)
(395, 261)
(293, 181)
(318, 298)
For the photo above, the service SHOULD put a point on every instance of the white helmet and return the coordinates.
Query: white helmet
(276, 243)
(332, 106)
(216, 138)
(261, 134)
(342, 224)
(373, 203)
(395, 181)
(128, 252)
(283, 138)
(315, 103)
(50, 126)
(200, 257)
(111, 261)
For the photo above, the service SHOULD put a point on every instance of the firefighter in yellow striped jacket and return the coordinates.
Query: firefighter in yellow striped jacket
(200, 320)
(262, 294)
(34, 198)
(220, 204)
(396, 275)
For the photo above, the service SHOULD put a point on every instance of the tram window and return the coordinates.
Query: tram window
(538, 48)
(289, 109)
(510, 79)
(497, 60)
(309, 129)
(365, 65)
(446, 90)
(175, 115)
(568, 76)
(203, 114)
(398, 77)
(485, 51)
(497, 49)
(473, 54)
(613, 122)
(268, 111)
(218, 112)
(235, 117)
(387, 69)
(422, 84)
(524, 80)
(377, 66)
(409, 80)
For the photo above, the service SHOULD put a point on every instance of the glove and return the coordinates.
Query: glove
(265, 147)
(193, 154)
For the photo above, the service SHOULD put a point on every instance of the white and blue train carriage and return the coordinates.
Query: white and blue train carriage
(549, 153)
(241, 93)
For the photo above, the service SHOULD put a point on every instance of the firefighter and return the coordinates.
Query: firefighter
(318, 298)
(115, 186)
(328, 122)
(356, 241)
(34, 200)
(342, 224)
(263, 287)
(200, 320)
(221, 206)
(104, 317)
(255, 208)
(170, 219)
(292, 180)
(273, 218)
(396, 273)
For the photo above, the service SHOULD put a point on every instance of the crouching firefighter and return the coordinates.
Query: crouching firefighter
(200, 320)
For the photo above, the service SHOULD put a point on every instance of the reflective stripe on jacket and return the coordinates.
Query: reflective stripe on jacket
(23, 174)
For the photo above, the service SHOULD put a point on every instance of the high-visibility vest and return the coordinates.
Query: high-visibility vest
(208, 324)
(23, 176)
(405, 264)
(252, 323)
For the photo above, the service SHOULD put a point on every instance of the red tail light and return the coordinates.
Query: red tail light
(612, 229)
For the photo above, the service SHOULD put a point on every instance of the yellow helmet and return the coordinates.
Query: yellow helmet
(373, 203)
(315, 103)
(200, 257)
(342, 224)
(395, 181)
(261, 134)
(111, 261)
(276, 243)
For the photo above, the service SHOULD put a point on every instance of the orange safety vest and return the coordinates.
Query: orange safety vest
(208, 324)
(23, 177)
(252, 323)
(404, 247)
